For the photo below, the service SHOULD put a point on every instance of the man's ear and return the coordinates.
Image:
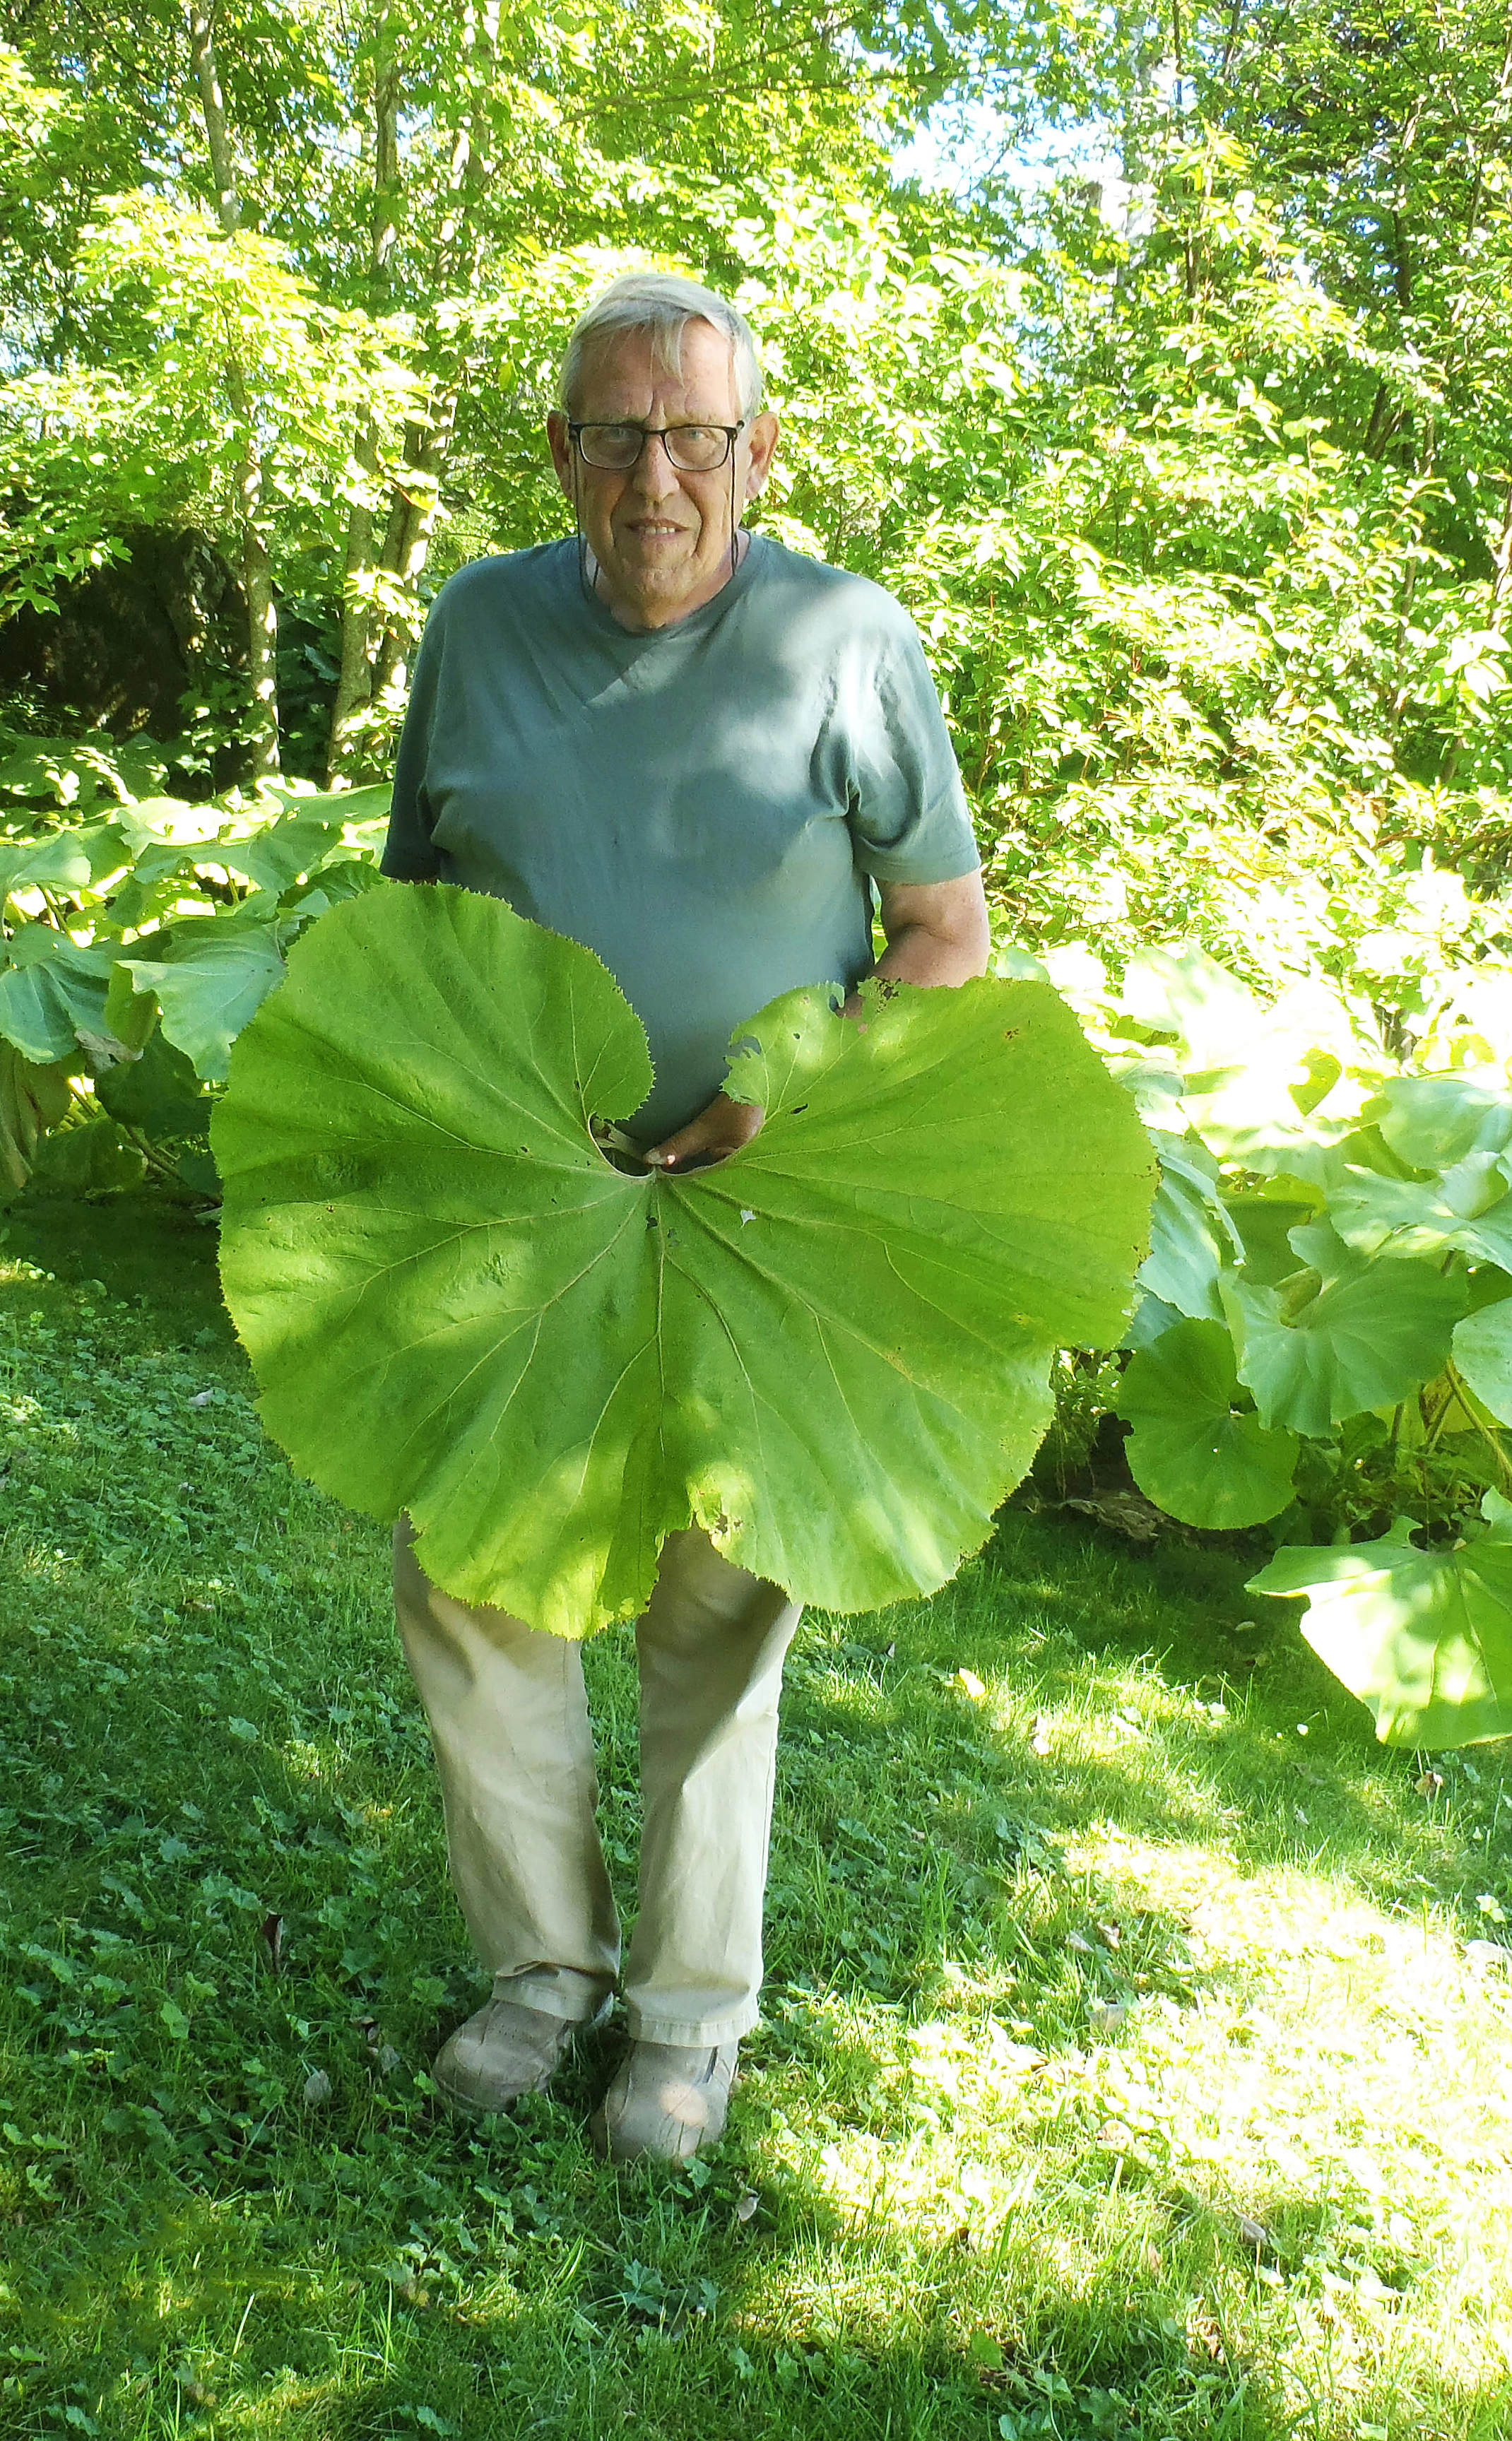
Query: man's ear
(761, 444)
(561, 446)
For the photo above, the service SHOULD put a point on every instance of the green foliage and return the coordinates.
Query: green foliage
(830, 1351)
(1325, 1331)
(1190, 1451)
(1195, 479)
(1424, 1637)
(1342, 1334)
(135, 944)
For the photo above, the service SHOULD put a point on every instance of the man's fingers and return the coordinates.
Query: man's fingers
(714, 1136)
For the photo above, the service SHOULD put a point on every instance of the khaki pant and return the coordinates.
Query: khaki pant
(509, 1719)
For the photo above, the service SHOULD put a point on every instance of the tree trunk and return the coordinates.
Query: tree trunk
(459, 257)
(354, 680)
(256, 566)
(1501, 584)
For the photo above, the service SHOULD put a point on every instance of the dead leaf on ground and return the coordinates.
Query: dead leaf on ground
(1126, 1513)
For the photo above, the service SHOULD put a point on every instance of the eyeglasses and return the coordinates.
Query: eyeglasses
(691, 448)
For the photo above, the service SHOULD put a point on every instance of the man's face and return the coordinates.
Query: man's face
(661, 538)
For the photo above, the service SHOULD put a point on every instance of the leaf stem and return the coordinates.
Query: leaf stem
(1492, 1440)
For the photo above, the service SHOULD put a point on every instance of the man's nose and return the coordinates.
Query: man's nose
(653, 474)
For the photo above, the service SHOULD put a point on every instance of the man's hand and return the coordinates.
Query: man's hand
(937, 933)
(714, 1136)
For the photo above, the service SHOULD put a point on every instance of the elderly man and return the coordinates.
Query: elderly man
(694, 752)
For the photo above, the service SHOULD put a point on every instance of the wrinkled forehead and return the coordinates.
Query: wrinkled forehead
(690, 370)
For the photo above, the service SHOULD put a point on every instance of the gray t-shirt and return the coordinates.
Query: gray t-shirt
(702, 807)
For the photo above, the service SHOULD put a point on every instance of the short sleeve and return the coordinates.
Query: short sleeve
(909, 816)
(409, 853)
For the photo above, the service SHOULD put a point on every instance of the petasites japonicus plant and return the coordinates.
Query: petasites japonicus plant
(830, 1351)
(1423, 1637)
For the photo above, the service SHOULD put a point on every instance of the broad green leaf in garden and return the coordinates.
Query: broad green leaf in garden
(1189, 1451)
(1423, 1637)
(1482, 1352)
(211, 978)
(92, 1159)
(1468, 1208)
(1191, 1236)
(830, 1351)
(1347, 1332)
(56, 861)
(1435, 1122)
(31, 1100)
(51, 992)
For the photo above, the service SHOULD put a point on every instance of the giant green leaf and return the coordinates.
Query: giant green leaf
(1346, 1333)
(211, 978)
(57, 861)
(1191, 1235)
(1189, 1451)
(1437, 1122)
(1482, 1351)
(1423, 1637)
(1467, 1207)
(830, 1351)
(51, 992)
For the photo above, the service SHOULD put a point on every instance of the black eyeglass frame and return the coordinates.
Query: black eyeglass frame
(653, 432)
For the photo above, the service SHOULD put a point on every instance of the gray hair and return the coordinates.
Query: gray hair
(663, 305)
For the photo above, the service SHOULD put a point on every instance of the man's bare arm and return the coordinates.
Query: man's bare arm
(937, 932)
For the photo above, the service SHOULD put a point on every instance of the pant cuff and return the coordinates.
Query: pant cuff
(557, 1992)
(689, 2033)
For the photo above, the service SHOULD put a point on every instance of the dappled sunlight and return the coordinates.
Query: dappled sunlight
(1064, 2005)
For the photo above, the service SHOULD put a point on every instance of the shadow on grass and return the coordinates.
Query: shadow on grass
(650, 2308)
(225, 1877)
(139, 1245)
(1124, 1701)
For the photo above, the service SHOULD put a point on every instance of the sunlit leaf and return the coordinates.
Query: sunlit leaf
(830, 1351)
(210, 979)
(1423, 1637)
(1482, 1351)
(1189, 1451)
(1351, 1332)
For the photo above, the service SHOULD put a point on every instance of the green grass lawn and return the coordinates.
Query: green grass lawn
(1134, 2061)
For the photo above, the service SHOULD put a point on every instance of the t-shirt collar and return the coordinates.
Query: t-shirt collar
(707, 615)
